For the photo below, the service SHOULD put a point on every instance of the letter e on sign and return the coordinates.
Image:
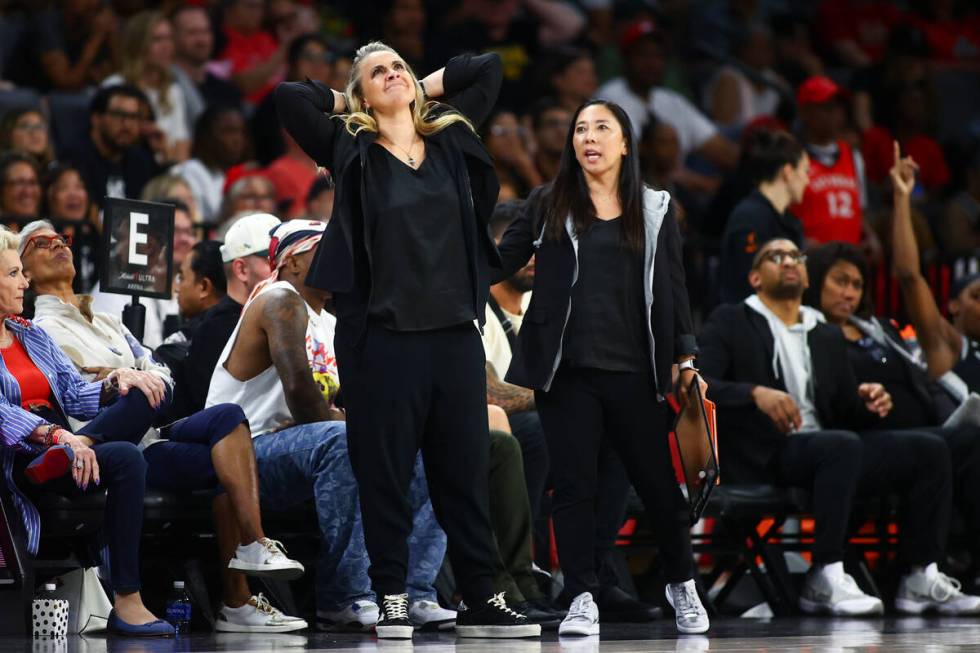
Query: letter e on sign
(137, 237)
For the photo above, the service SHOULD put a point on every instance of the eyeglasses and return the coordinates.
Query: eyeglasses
(778, 257)
(124, 115)
(49, 242)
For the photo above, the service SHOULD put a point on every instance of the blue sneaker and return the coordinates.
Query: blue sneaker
(158, 628)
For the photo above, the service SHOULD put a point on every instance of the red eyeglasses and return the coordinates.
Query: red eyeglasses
(48, 242)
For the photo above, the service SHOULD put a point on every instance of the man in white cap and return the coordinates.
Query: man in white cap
(279, 366)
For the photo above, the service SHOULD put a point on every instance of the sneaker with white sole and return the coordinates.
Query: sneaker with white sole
(829, 590)
(582, 617)
(494, 619)
(429, 615)
(930, 589)
(690, 615)
(266, 558)
(358, 617)
(393, 622)
(256, 616)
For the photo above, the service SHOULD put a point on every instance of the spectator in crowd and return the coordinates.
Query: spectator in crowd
(113, 160)
(162, 315)
(319, 201)
(572, 78)
(403, 27)
(734, 99)
(42, 449)
(173, 187)
(193, 49)
(550, 121)
(794, 58)
(279, 365)
(67, 205)
(20, 199)
(309, 57)
(597, 374)
(778, 166)
(640, 93)
(952, 29)
(834, 201)
(251, 192)
(661, 168)
(806, 389)
(245, 258)
(200, 281)
(507, 143)
(257, 57)
(857, 30)
(199, 452)
(878, 353)
(220, 142)
(147, 61)
(960, 227)
(26, 130)
(77, 43)
(293, 175)
(949, 346)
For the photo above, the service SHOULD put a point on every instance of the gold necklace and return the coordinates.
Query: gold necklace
(408, 152)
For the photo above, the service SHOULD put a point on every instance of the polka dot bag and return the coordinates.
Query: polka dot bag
(49, 615)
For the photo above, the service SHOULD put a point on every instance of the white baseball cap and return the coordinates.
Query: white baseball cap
(248, 236)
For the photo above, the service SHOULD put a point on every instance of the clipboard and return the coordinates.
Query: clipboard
(696, 439)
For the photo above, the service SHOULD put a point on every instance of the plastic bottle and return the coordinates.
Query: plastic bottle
(179, 608)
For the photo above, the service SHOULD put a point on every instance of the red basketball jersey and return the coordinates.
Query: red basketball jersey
(831, 206)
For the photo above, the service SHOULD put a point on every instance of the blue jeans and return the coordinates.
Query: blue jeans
(311, 461)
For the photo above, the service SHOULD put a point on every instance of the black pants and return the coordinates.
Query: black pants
(838, 466)
(409, 390)
(964, 448)
(584, 408)
(526, 427)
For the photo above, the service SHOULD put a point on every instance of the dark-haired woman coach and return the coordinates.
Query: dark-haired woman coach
(608, 318)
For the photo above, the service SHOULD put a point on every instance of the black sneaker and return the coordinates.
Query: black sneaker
(494, 619)
(537, 613)
(393, 622)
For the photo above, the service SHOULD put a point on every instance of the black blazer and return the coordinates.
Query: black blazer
(736, 356)
(539, 341)
(342, 262)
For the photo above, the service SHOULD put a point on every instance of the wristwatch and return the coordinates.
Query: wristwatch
(686, 365)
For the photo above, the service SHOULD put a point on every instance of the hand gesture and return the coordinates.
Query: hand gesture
(779, 406)
(85, 468)
(876, 398)
(151, 385)
(903, 172)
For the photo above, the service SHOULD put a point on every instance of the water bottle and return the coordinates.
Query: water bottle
(179, 608)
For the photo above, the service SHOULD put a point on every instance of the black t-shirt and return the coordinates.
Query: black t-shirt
(968, 367)
(123, 178)
(874, 363)
(607, 327)
(421, 276)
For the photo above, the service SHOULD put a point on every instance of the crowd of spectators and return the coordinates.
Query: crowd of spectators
(762, 118)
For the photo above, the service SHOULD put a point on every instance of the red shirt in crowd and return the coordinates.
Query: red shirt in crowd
(866, 22)
(831, 206)
(878, 154)
(245, 51)
(292, 179)
(34, 386)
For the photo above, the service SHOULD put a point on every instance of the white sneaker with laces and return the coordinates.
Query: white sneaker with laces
(828, 589)
(931, 589)
(256, 616)
(690, 615)
(358, 617)
(582, 617)
(429, 615)
(266, 558)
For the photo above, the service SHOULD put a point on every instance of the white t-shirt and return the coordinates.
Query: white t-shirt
(693, 127)
(495, 343)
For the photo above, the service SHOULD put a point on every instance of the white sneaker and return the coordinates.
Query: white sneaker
(690, 615)
(358, 617)
(828, 589)
(256, 616)
(582, 617)
(429, 615)
(266, 558)
(930, 588)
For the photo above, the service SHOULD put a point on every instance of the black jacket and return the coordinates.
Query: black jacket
(342, 263)
(540, 339)
(736, 356)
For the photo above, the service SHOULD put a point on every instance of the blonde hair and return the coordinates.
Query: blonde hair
(135, 38)
(358, 118)
(8, 239)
